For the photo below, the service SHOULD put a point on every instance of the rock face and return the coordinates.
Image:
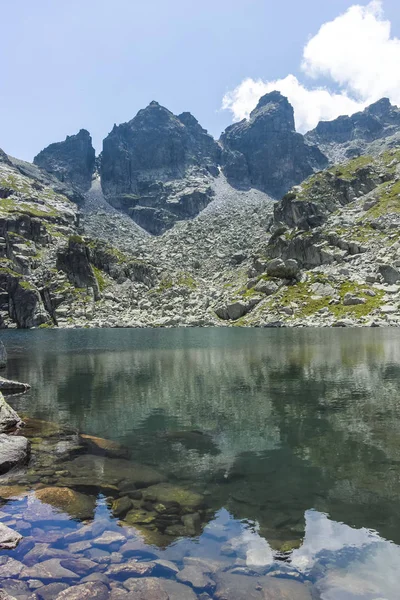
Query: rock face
(266, 152)
(14, 451)
(71, 161)
(74, 261)
(158, 167)
(347, 137)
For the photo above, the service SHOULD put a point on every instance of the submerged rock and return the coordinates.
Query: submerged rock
(77, 505)
(104, 447)
(166, 493)
(9, 539)
(48, 570)
(242, 587)
(151, 588)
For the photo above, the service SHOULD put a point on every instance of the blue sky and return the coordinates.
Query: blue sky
(93, 63)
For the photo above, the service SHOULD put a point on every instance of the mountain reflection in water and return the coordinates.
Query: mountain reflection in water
(294, 434)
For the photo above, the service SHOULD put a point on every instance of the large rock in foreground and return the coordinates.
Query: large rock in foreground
(266, 152)
(14, 451)
(77, 505)
(71, 161)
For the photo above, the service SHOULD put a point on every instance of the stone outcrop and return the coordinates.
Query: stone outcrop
(9, 539)
(266, 152)
(74, 261)
(365, 132)
(71, 161)
(158, 167)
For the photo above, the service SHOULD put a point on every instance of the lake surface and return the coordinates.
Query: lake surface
(292, 437)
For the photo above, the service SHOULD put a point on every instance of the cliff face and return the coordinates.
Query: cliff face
(158, 167)
(367, 132)
(71, 161)
(266, 152)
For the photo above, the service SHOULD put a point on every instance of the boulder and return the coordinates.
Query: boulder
(390, 274)
(235, 310)
(102, 446)
(131, 568)
(350, 299)
(9, 539)
(288, 269)
(25, 304)
(8, 417)
(266, 287)
(14, 451)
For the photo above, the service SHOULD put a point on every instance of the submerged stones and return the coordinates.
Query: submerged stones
(104, 447)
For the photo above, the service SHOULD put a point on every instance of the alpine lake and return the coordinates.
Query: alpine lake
(223, 464)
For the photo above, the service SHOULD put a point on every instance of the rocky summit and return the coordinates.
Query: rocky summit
(265, 151)
(173, 228)
(158, 167)
(367, 132)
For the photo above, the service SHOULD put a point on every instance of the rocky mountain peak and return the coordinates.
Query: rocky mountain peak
(275, 110)
(366, 132)
(266, 152)
(71, 161)
(146, 162)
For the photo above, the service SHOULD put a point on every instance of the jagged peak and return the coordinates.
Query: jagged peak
(271, 99)
(380, 107)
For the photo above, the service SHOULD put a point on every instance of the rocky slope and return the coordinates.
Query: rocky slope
(367, 132)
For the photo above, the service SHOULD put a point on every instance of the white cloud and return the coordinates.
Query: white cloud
(355, 51)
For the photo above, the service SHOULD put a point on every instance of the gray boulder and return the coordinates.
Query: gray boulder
(235, 310)
(266, 287)
(350, 300)
(288, 269)
(8, 417)
(14, 451)
(390, 274)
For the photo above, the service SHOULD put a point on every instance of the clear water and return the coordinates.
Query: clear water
(293, 437)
